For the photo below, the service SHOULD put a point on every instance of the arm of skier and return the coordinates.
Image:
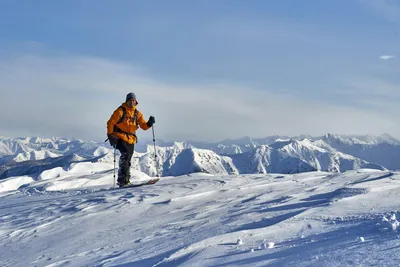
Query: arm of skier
(142, 122)
(113, 120)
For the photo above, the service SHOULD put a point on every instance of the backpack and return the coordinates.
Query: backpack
(134, 119)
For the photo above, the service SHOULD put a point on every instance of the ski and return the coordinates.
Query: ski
(149, 182)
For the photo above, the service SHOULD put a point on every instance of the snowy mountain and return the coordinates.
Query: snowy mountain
(266, 159)
(359, 139)
(35, 148)
(228, 146)
(35, 167)
(180, 159)
(347, 144)
(293, 156)
(235, 146)
(31, 156)
(284, 156)
(383, 150)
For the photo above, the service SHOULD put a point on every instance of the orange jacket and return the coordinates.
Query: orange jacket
(127, 125)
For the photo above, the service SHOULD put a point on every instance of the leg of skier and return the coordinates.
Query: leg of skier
(124, 173)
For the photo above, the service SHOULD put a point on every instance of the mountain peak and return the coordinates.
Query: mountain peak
(366, 139)
(280, 143)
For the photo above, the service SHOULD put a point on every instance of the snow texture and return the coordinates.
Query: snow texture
(73, 217)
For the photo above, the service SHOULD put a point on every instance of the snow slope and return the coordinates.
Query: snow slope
(72, 217)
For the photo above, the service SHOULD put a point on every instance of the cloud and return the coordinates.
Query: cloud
(387, 57)
(75, 96)
(371, 92)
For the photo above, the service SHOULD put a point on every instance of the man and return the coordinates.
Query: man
(121, 128)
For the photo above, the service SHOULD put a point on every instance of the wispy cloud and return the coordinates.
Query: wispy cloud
(75, 96)
(372, 93)
(387, 57)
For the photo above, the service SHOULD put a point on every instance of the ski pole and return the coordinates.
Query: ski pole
(115, 148)
(155, 152)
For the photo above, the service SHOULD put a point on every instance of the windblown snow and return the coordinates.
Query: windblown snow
(74, 217)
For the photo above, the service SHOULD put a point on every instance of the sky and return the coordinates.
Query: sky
(207, 70)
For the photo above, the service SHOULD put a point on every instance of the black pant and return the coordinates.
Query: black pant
(126, 150)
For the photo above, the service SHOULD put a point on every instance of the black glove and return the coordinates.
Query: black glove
(113, 140)
(151, 121)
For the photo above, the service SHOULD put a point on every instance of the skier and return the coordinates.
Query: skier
(121, 128)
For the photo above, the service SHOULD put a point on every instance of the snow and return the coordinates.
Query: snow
(14, 183)
(280, 156)
(35, 155)
(73, 217)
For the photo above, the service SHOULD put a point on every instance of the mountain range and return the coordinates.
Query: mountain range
(275, 154)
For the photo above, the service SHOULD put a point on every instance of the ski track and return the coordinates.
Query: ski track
(220, 211)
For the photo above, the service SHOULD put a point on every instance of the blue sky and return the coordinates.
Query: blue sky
(207, 70)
